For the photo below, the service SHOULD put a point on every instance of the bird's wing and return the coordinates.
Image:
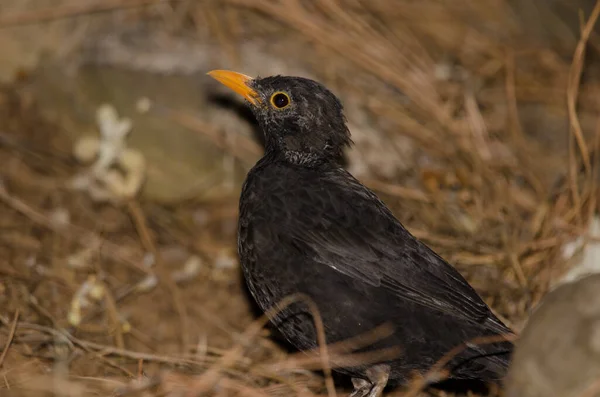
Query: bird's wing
(354, 233)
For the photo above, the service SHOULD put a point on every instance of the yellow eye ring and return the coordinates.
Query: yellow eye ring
(280, 100)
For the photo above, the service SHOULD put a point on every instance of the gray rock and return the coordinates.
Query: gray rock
(558, 353)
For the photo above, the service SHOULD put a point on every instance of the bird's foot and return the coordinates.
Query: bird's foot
(361, 387)
(378, 378)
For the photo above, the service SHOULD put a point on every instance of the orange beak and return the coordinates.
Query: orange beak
(237, 82)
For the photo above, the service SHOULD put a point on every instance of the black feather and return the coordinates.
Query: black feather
(306, 225)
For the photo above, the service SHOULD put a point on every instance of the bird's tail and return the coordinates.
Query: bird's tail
(489, 362)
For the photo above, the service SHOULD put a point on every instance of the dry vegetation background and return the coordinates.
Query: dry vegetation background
(476, 121)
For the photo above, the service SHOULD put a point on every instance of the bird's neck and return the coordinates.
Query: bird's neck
(302, 158)
(300, 146)
(298, 158)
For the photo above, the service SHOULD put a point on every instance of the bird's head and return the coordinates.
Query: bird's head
(302, 120)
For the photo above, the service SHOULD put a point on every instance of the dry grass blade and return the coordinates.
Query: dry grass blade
(431, 90)
(147, 241)
(511, 96)
(378, 333)
(111, 305)
(337, 360)
(245, 150)
(101, 350)
(436, 374)
(396, 68)
(592, 390)
(70, 11)
(397, 191)
(82, 236)
(11, 335)
(210, 377)
(572, 94)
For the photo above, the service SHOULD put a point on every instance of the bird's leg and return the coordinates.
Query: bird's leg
(361, 387)
(378, 378)
(378, 375)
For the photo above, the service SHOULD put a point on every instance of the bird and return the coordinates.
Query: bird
(307, 226)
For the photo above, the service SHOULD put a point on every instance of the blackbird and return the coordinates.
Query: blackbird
(307, 226)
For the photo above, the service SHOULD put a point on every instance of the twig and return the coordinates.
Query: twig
(376, 334)
(398, 70)
(511, 96)
(246, 151)
(70, 231)
(594, 177)
(592, 390)
(338, 360)
(398, 191)
(147, 241)
(209, 378)
(233, 385)
(11, 335)
(421, 382)
(101, 351)
(477, 126)
(156, 358)
(70, 10)
(113, 313)
(572, 93)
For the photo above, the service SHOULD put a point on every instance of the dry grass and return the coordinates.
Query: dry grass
(483, 189)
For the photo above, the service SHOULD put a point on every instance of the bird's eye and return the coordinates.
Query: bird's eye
(280, 100)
